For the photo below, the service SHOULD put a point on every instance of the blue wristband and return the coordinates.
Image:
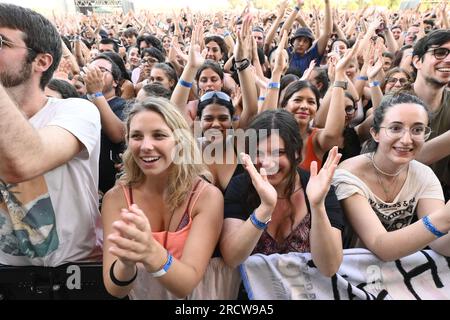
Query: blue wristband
(185, 83)
(374, 84)
(273, 85)
(261, 98)
(257, 223)
(362, 78)
(426, 221)
(92, 97)
(164, 268)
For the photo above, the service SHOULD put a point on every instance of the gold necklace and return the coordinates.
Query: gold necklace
(383, 172)
(387, 191)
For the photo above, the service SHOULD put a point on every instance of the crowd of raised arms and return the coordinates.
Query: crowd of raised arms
(169, 147)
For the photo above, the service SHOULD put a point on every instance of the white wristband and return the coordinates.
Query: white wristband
(164, 268)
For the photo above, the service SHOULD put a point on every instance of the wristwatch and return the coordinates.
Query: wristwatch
(341, 84)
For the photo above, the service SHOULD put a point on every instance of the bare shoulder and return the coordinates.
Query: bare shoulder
(356, 165)
(210, 193)
(115, 197)
(210, 199)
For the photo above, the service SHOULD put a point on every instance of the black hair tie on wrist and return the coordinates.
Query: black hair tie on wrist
(116, 281)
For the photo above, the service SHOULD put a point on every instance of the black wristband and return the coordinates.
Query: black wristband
(245, 63)
(116, 281)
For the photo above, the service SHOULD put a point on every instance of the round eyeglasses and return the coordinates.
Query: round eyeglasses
(417, 132)
(393, 80)
(439, 53)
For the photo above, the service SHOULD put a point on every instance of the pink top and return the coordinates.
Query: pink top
(174, 241)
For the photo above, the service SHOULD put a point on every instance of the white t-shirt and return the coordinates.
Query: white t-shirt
(54, 218)
(421, 183)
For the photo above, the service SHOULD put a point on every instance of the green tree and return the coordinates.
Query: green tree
(234, 4)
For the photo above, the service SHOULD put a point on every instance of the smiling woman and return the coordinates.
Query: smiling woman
(173, 235)
(275, 207)
(385, 191)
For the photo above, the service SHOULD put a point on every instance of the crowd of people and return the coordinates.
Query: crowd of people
(170, 147)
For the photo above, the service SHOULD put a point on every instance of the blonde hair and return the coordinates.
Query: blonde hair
(182, 172)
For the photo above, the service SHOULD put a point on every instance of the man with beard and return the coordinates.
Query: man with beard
(48, 158)
(102, 77)
(432, 60)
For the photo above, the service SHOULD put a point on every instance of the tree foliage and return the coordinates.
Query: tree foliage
(344, 4)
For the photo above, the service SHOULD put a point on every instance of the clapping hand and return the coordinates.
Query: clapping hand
(266, 191)
(132, 239)
(319, 183)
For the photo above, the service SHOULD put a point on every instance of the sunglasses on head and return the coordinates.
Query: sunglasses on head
(218, 94)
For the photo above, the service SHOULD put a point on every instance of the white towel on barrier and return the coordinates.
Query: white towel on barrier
(422, 275)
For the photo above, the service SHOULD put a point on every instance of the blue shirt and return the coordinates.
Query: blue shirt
(301, 62)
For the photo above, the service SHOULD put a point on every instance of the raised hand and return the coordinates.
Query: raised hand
(332, 61)
(308, 71)
(266, 191)
(344, 62)
(374, 69)
(282, 8)
(319, 183)
(280, 61)
(195, 58)
(175, 52)
(242, 49)
(93, 78)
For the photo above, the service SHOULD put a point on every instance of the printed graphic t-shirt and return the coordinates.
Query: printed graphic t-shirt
(53, 219)
(421, 183)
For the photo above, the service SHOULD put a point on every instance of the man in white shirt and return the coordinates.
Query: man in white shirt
(49, 152)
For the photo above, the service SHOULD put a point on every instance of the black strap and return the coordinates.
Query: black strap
(118, 282)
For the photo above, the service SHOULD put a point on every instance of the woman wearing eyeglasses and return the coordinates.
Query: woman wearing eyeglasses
(396, 79)
(384, 191)
(149, 57)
